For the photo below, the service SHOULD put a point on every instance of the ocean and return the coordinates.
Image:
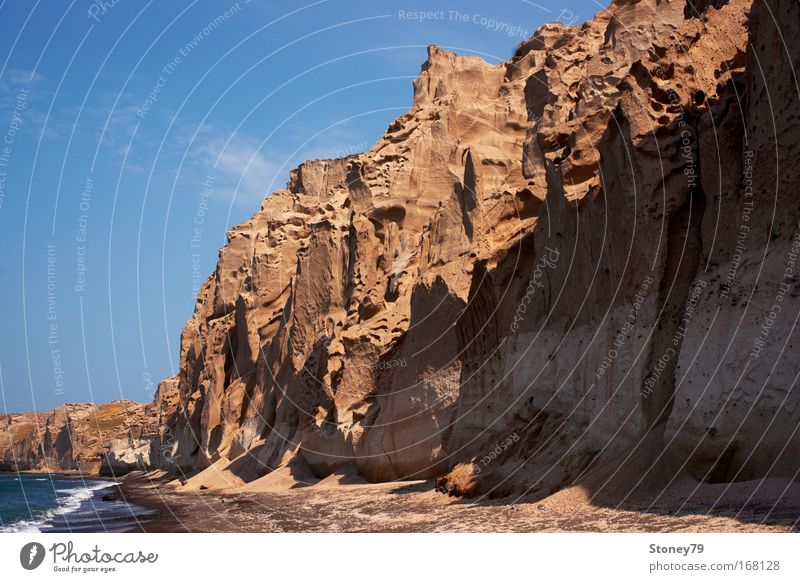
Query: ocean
(62, 503)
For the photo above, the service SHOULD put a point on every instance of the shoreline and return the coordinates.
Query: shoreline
(137, 489)
(415, 507)
(154, 503)
(73, 503)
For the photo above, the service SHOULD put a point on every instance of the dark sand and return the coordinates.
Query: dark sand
(417, 507)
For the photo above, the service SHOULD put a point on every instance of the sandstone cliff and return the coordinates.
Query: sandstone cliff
(108, 439)
(573, 266)
(547, 271)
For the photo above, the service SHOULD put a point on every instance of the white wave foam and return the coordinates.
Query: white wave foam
(66, 505)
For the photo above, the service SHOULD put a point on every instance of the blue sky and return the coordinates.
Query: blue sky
(126, 125)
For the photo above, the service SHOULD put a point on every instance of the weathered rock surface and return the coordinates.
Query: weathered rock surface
(108, 439)
(574, 267)
(575, 252)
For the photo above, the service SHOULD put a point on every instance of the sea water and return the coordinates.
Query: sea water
(59, 503)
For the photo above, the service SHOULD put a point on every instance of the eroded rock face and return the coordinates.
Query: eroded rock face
(576, 253)
(109, 439)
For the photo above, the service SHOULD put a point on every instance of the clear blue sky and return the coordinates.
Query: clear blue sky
(114, 114)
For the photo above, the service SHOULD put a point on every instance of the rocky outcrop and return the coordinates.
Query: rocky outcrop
(561, 269)
(572, 267)
(576, 267)
(108, 439)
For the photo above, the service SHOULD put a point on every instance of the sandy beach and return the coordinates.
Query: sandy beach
(418, 507)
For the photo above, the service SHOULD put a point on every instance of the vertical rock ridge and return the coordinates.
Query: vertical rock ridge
(513, 257)
(542, 263)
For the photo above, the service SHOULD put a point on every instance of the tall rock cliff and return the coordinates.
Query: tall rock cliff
(109, 439)
(574, 266)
